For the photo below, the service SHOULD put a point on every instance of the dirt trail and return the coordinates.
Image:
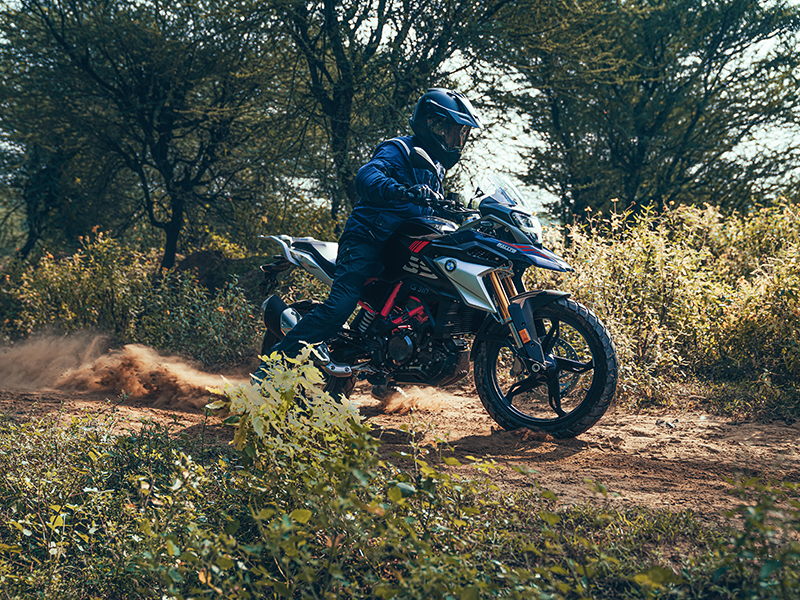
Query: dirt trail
(669, 460)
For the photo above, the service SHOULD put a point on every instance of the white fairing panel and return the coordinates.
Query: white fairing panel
(303, 259)
(285, 242)
(307, 262)
(328, 250)
(468, 280)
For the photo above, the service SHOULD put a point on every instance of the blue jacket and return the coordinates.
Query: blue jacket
(379, 210)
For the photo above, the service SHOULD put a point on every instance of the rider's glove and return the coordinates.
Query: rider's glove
(420, 194)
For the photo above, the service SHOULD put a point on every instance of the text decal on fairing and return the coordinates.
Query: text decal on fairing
(507, 248)
(416, 267)
(419, 289)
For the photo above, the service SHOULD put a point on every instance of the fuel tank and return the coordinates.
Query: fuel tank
(399, 254)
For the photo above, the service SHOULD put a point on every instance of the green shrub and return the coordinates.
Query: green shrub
(691, 292)
(318, 514)
(65, 529)
(762, 555)
(108, 287)
(761, 325)
(744, 243)
(99, 287)
(177, 315)
(11, 306)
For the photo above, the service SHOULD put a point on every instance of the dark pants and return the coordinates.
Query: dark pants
(357, 261)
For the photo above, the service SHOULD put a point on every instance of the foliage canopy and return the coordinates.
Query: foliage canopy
(650, 103)
(199, 119)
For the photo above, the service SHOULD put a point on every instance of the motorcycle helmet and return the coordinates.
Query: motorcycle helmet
(442, 122)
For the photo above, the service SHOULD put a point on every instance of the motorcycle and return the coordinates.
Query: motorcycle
(451, 293)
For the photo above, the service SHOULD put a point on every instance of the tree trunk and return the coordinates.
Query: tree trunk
(172, 229)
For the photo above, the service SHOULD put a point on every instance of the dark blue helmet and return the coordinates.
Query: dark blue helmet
(442, 122)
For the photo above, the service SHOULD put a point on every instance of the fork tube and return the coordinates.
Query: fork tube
(500, 293)
(510, 287)
(502, 301)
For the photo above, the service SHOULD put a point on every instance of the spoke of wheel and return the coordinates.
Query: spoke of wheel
(551, 338)
(554, 395)
(573, 366)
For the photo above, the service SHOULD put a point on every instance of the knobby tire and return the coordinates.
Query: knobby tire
(581, 336)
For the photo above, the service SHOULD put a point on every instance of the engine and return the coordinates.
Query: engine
(412, 346)
(414, 357)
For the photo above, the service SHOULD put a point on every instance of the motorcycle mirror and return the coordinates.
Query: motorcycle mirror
(421, 160)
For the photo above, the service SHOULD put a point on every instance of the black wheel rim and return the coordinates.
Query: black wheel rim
(524, 393)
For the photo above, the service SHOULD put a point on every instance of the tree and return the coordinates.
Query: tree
(653, 101)
(173, 92)
(366, 63)
(54, 194)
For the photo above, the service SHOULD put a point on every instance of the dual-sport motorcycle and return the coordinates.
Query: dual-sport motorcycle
(451, 292)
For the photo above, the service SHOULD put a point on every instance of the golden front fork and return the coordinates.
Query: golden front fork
(510, 287)
(503, 291)
(500, 294)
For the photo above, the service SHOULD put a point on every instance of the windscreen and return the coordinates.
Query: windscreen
(500, 189)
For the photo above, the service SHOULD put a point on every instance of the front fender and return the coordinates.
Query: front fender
(526, 304)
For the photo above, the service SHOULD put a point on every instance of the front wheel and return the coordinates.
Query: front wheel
(564, 400)
(335, 386)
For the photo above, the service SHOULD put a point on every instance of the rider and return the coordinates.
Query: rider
(391, 191)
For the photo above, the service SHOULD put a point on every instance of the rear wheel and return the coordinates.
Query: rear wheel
(582, 376)
(335, 386)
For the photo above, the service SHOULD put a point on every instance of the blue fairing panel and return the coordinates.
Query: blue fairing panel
(538, 257)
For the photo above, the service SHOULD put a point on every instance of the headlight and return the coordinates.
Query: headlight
(529, 224)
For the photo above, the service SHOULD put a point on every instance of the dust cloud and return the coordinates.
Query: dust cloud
(86, 364)
(414, 399)
(39, 362)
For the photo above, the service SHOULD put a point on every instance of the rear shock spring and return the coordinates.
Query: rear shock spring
(365, 320)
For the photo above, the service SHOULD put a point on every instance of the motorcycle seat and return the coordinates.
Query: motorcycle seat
(323, 252)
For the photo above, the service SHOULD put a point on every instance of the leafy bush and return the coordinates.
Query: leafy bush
(177, 315)
(11, 305)
(108, 287)
(690, 291)
(64, 527)
(761, 327)
(763, 554)
(99, 287)
(319, 514)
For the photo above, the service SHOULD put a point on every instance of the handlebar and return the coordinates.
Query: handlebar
(452, 208)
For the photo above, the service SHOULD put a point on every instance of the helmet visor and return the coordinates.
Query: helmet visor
(450, 134)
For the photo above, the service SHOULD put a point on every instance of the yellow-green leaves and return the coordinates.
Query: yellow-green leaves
(301, 515)
(288, 413)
